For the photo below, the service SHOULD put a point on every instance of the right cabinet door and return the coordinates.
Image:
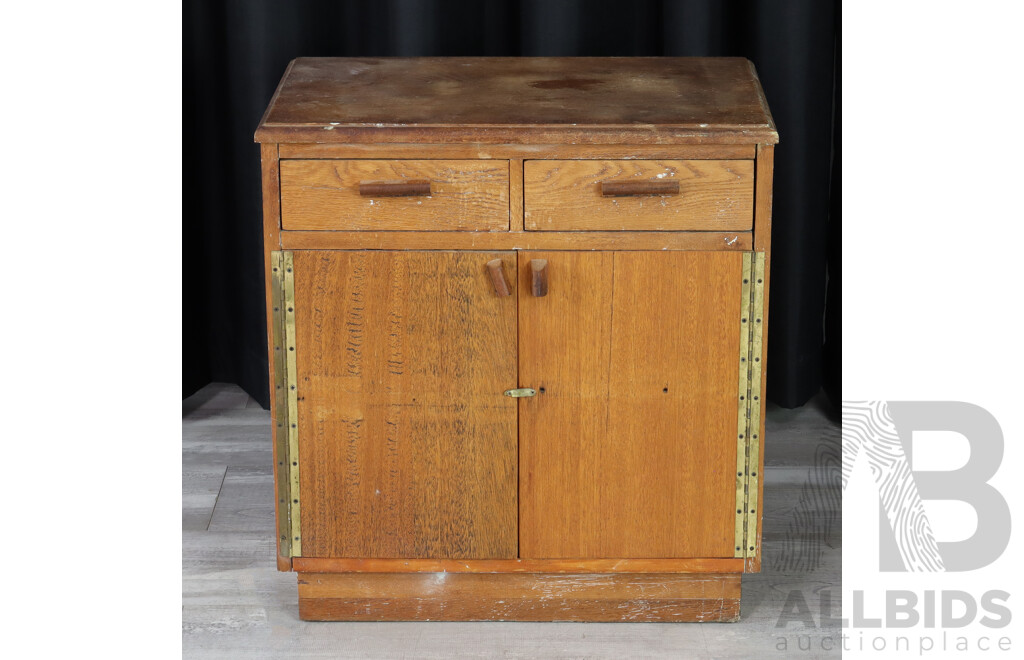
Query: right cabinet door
(628, 449)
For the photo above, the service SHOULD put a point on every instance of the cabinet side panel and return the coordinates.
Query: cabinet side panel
(270, 183)
(279, 409)
(408, 445)
(764, 187)
(629, 447)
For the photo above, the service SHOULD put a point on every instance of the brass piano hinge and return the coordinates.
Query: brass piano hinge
(748, 426)
(286, 432)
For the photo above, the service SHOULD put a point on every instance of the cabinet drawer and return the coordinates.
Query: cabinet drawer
(381, 195)
(649, 195)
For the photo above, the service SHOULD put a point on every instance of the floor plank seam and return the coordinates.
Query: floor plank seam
(216, 501)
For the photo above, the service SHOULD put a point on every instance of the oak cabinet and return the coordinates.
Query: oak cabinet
(517, 350)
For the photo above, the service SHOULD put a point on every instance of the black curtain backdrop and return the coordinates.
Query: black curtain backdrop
(236, 52)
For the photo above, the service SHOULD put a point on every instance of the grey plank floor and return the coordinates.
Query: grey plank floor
(236, 605)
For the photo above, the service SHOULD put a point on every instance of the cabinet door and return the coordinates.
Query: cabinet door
(629, 447)
(407, 445)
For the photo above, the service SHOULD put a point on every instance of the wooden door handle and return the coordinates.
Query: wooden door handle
(498, 278)
(394, 188)
(539, 276)
(633, 188)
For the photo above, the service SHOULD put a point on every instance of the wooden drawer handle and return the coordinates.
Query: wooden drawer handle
(632, 188)
(498, 278)
(539, 276)
(394, 188)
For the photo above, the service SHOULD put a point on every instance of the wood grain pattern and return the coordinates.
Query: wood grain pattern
(289, 387)
(679, 565)
(763, 243)
(270, 181)
(539, 277)
(515, 194)
(565, 195)
(394, 188)
(628, 450)
(325, 194)
(763, 186)
(520, 151)
(519, 99)
(497, 273)
(529, 240)
(518, 597)
(280, 424)
(527, 135)
(657, 187)
(408, 445)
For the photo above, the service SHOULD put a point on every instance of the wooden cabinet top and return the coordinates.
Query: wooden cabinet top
(520, 100)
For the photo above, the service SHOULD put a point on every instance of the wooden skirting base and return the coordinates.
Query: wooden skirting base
(519, 597)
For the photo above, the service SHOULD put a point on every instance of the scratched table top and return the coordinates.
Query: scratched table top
(519, 100)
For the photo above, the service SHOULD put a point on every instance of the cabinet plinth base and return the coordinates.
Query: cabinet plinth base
(519, 597)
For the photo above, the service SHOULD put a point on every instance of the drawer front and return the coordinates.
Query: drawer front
(382, 195)
(648, 195)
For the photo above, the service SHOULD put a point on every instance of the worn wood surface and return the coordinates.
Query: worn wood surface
(519, 100)
(513, 151)
(763, 243)
(515, 194)
(566, 195)
(408, 447)
(528, 240)
(539, 277)
(270, 180)
(684, 565)
(627, 450)
(498, 279)
(518, 597)
(646, 187)
(278, 364)
(325, 194)
(763, 187)
(407, 188)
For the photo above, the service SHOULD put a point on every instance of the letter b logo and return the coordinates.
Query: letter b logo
(883, 431)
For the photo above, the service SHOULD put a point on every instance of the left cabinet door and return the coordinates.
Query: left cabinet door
(407, 444)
